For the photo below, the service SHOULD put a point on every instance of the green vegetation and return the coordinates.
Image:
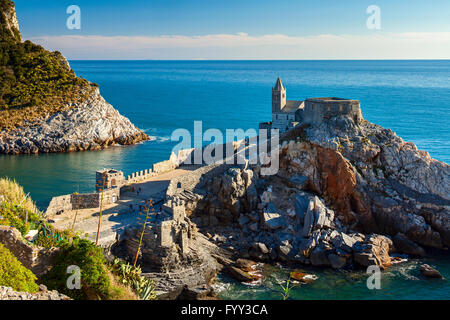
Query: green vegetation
(95, 283)
(14, 193)
(148, 208)
(286, 289)
(98, 281)
(131, 276)
(34, 82)
(20, 212)
(13, 274)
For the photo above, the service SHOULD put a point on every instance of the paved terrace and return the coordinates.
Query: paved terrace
(122, 214)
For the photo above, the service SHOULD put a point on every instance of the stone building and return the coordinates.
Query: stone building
(109, 178)
(316, 110)
(283, 111)
(286, 114)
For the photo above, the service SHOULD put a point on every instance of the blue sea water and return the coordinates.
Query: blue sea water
(410, 97)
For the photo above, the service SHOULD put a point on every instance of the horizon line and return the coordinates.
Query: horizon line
(275, 60)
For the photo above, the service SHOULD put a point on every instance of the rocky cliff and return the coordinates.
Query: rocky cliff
(44, 106)
(92, 124)
(8, 20)
(346, 194)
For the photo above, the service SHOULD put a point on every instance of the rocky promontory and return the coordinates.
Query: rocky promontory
(44, 106)
(347, 194)
(90, 125)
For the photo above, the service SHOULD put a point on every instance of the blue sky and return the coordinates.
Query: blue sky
(177, 29)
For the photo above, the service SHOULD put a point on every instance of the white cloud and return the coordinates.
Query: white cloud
(376, 45)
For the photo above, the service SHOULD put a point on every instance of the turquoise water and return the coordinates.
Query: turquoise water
(402, 281)
(410, 97)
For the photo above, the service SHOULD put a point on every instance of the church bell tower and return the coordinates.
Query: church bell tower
(278, 96)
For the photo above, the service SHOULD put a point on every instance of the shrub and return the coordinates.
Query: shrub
(13, 274)
(95, 283)
(129, 275)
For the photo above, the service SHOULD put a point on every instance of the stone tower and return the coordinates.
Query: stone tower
(278, 96)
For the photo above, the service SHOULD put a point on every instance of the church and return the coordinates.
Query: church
(286, 114)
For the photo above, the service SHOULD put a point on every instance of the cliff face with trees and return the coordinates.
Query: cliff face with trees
(36, 85)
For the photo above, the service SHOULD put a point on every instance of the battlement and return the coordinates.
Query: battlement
(175, 208)
(108, 179)
(317, 110)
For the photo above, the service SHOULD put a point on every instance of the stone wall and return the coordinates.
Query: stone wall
(163, 166)
(139, 176)
(109, 178)
(59, 204)
(317, 110)
(85, 201)
(82, 201)
(195, 179)
(35, 258)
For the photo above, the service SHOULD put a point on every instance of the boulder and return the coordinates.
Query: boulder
(301, 206)
(271, 218)
(344, 242)
(243, 220)
(323, 217)
(302, 276)
(308, 221)
(337, 262)
(298, 181)
(430, 272)
(244, 264)
(254, 227)
(319, 257)
(306, 246)
(284, 251)
(240, 275)
(375, 251)
(404, 245)
(262, 247)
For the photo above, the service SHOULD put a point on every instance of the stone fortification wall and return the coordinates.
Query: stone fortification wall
(195, 179)
(164, 166)
(59, 204)
(85, 201)
(34, 258)
(317, 110)
(139, 176)
(82, 201)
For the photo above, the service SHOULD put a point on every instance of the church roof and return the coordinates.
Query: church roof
(278, 85)
(292, 106)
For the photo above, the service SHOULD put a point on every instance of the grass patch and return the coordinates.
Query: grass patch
(13, 193)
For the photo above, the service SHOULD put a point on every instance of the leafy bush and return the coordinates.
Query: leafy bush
(95, 283)
(13, 274)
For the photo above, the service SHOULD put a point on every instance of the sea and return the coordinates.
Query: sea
(410, 97)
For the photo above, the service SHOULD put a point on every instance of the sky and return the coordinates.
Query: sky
(240, 29)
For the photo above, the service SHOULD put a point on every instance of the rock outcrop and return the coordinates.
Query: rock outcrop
(346, 194)
(9, 25)
(91, 125)
(45, 107)
(7, 293)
